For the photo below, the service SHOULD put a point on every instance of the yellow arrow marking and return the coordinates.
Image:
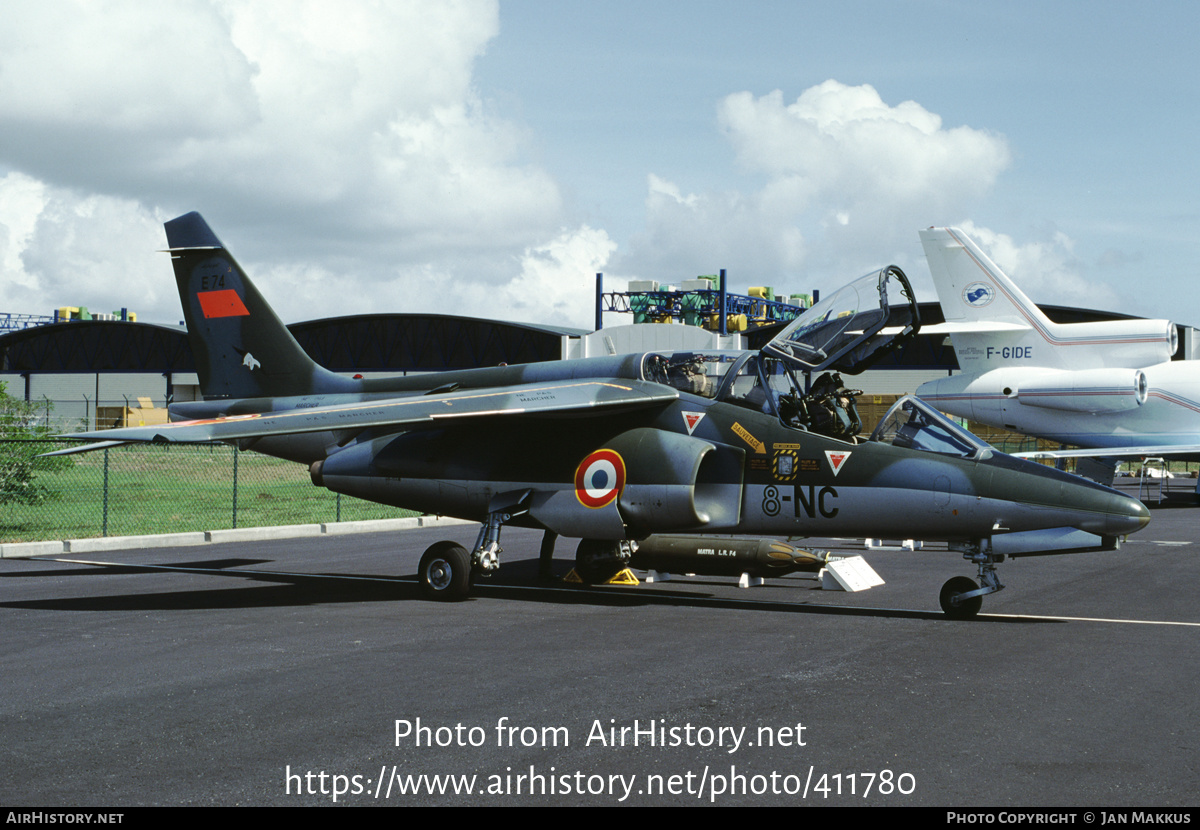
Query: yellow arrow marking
(742, 433)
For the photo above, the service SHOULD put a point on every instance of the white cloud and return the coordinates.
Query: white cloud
(558, 280)
(1047, 271)
(345, 156)
(21, 201)
(693, 234)
(331, 145)
(846, 144)
(57, 248)
(847, 182)
(551, 284)
(144, 70)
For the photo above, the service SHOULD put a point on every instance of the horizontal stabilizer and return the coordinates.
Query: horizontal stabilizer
(100, 445)
(973, 327)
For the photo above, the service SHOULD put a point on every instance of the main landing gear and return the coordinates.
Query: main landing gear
(447, 571)
(599, 560)
(961, 598)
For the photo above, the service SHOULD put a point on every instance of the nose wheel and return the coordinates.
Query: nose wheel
(448, 571)
(961, 597)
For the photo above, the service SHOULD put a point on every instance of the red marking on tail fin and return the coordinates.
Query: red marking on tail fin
(224, 303)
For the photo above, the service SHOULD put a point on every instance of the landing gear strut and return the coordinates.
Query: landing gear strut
(960, 597)
(447, 571)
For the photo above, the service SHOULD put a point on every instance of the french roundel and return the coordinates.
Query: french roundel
(599, 478)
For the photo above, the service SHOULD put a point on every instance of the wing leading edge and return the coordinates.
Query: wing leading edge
(562, 398)
(1115, 452)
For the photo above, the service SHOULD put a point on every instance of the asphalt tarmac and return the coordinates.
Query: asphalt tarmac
(309, 672)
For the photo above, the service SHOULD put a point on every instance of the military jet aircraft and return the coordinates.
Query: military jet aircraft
(611, 450)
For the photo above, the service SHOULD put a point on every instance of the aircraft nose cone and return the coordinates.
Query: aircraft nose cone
(1118, 515)
(1137, 517)
(1061, 499)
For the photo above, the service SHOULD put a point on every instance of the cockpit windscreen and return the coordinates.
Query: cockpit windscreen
(914, 424)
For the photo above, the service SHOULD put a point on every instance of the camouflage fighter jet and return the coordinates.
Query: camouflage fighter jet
(612, 450)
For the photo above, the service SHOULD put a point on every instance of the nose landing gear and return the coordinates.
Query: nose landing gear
(961, 598)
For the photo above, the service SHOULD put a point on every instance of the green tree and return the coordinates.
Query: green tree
(18, 454)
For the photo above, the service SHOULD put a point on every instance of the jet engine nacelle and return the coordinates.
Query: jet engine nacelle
(996, 397)
(1105, 344)
(1087, 390)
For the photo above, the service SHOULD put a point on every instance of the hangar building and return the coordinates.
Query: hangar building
(120, 372)
(103, 373)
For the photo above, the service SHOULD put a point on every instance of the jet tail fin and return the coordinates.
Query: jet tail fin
(994, 325)
(991, 321)
(241, 348)
(972, 288)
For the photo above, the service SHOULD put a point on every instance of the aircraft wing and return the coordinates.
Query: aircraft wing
(1115, 452)
(972, 327)
(558, 397)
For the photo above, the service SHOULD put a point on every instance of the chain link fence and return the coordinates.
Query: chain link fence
(51, 416)
(149, 488)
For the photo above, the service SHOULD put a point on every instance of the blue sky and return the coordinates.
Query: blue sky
(487, 159)
(1091, 96)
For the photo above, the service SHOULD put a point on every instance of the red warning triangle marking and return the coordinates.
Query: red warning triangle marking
(691, 419)
(836, 460)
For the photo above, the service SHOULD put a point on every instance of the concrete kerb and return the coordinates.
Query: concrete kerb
(26, 550)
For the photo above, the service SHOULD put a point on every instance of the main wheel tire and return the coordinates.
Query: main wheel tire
(964, 610)
(445, 572)
(598, 560)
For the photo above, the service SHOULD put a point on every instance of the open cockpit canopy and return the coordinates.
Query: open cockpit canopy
(853, 327)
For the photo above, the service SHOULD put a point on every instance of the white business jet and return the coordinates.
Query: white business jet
(1109, 387)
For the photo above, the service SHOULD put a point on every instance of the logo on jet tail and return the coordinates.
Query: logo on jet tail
(978, 294)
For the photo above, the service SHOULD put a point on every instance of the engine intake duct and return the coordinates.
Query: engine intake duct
(677, 482)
